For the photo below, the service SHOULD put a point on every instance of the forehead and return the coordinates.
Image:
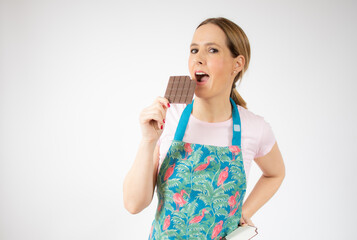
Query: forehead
(209, 33)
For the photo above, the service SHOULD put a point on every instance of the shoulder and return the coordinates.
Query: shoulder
(263, 133)
(251, 119)
(257, 129)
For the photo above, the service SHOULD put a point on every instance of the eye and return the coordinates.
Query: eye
(213, 50)
(194, 50)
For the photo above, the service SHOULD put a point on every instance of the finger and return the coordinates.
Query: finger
(154, 125)
(158, 115)
(158, 107)
(250, 223)
(247, 220)
(164, 101)
(152, 117)
(241, 222)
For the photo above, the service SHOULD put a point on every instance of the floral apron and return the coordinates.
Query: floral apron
(200, 188)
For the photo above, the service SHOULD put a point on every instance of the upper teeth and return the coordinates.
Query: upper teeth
(200, 73)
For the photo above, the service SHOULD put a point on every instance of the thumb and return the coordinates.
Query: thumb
(242, 222)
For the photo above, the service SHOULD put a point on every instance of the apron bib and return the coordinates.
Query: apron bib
(200, 188)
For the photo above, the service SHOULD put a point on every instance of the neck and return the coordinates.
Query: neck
(212, 110)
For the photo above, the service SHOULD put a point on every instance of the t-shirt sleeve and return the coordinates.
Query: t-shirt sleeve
(267, 140)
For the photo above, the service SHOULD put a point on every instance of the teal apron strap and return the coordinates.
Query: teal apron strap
(182, 125)
(236, 141)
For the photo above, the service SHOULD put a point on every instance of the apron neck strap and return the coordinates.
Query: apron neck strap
(182, 125)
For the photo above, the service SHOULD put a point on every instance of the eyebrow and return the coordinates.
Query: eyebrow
(207, 44)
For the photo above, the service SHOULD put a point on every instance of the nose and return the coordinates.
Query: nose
(198, 62)
(198, 59)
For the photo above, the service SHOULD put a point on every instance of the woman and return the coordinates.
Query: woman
(197, 163)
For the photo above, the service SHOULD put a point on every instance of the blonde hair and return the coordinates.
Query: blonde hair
(238, 44)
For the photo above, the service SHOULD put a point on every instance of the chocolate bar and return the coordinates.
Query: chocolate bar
(180, 89)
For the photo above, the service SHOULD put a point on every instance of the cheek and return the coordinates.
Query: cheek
(190, 64)
(218, 66)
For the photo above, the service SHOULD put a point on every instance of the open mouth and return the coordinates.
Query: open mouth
(201, 76)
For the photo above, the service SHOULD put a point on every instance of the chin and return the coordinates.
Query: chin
(202, 95)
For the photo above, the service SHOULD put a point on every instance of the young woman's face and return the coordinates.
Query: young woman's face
(210, 63)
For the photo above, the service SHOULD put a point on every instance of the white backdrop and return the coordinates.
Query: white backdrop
(75, 75)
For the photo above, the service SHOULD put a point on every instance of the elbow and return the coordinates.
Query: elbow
(132, 208)
(134, 203)
(281, 176)
(283, 173)
(278, 175)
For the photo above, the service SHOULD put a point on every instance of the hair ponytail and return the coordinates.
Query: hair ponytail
(237, 98)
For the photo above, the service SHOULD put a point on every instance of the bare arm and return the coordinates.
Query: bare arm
(273, 168)
(139, 183)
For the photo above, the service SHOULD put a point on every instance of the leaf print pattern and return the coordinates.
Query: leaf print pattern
(200, 189)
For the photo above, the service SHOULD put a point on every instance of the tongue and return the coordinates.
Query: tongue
(204, 78)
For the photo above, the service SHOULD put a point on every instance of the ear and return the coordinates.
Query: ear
(239, 62)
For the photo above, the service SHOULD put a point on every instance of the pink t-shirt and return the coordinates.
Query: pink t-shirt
(257, 137)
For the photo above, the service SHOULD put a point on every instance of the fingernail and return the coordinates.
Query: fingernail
(164, 120)
(161, 126)
(168, 104)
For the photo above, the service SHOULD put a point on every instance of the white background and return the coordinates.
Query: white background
(75, 75)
